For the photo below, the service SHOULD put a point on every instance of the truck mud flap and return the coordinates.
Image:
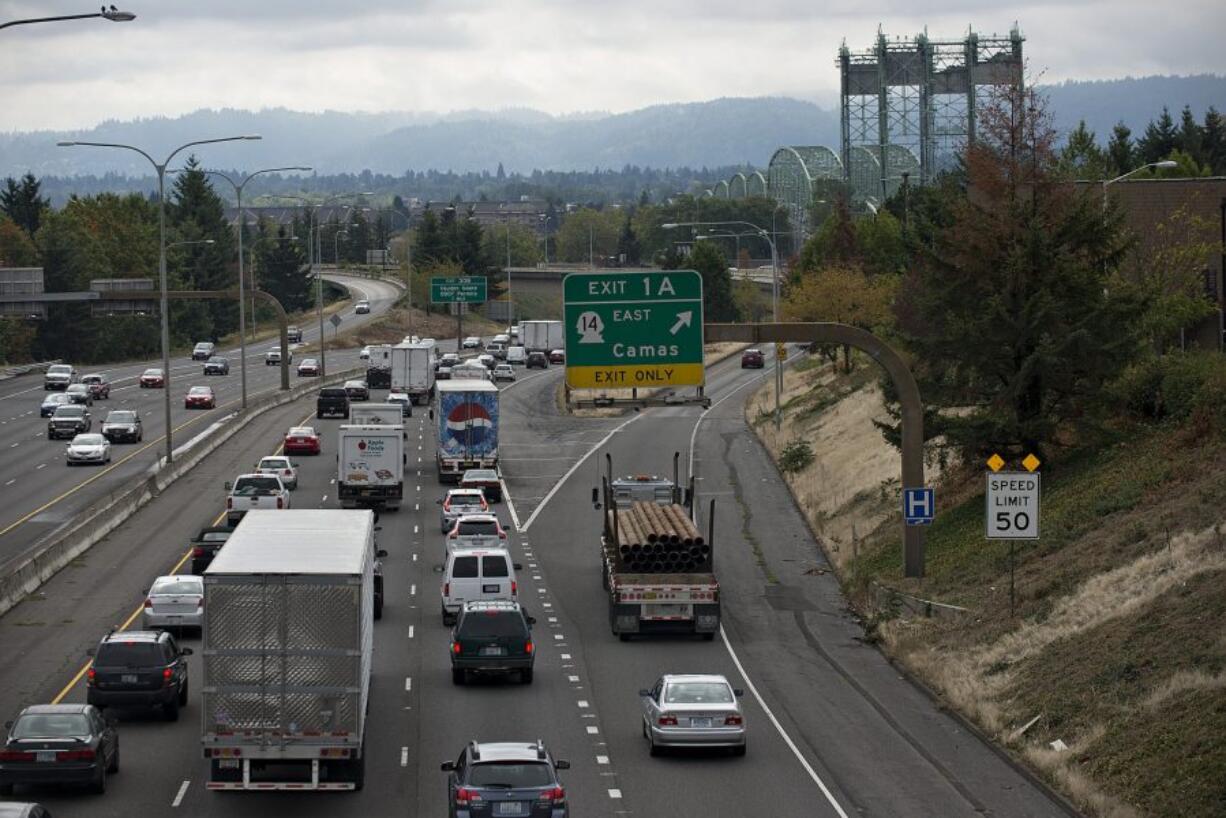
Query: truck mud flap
(706, 618)
(623, 619)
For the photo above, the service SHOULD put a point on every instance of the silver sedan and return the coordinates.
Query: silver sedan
(693, 710)
(175, 602)
(88, 448)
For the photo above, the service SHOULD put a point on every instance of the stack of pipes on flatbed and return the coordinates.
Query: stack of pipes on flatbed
(654, 539)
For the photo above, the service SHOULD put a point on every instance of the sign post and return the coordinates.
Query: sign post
(626, 330)
(1012, 507)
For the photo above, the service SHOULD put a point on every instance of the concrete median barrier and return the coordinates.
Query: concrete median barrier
(24, 574)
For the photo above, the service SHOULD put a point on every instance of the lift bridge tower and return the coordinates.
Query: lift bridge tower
(909, 106)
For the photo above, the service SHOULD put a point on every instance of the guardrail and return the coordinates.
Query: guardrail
(25, 573)
(24, 369)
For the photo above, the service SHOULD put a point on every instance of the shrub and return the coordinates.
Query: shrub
(1171, 386)
(795, 456)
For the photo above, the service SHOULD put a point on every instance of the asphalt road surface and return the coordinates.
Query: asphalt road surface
(39, 493)
(833, 729)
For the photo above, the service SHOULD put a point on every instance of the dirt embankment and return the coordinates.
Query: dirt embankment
(1108, 676)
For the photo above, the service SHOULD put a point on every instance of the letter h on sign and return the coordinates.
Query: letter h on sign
(919, 506)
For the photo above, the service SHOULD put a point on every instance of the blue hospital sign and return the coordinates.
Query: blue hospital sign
(919, 506)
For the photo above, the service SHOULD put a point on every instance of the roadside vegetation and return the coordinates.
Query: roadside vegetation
(1034, 322)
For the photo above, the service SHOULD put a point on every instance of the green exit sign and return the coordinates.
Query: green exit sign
(458, 289)
(633, 329)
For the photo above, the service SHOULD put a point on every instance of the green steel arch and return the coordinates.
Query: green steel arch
(720, 190)
(737, 186)
(755, 184)
(791, 175)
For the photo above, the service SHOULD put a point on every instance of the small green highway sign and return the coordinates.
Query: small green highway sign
(458, 289)
(630, 329)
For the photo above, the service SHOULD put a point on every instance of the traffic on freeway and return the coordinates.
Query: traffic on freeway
(502, 656)
(38, 495)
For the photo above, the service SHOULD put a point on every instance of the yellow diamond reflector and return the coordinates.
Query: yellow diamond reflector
(1031, 462)
(996, 462)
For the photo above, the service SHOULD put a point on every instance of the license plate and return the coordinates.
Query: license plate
(45, 755)
(700, 722)
(129, 678)
(489, 589)
(229, 763)
(511, 808)
(493, 651)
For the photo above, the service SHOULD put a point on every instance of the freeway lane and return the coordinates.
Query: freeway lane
(39, 493)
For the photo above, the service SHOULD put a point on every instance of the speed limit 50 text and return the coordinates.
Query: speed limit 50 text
(1012, 506)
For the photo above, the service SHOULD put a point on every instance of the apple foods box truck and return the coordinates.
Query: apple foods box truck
(467, 428)
(370, 466)
(288, 619)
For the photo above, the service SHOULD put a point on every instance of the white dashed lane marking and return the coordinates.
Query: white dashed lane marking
(179, 795)
(404, 756)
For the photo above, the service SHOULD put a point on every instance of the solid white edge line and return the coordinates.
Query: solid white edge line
(182, 792)
(573, 469)
(506, 498)
(779, 727)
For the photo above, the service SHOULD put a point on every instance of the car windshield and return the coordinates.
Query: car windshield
(88, 440)
(307, 362)
(217, 360)
(201, 390)
(128, 654)
(178, 585)
(215, 536)
(70, 412)
(510, 774)
(302, 432)
(78, 387)
(58, 397)
(274, 463)
(59, 369)
(247, 486)
(478, 528)
(698, 693)
(332, 392)
(354, 385)
(157, 373)
(92, 379)
(51, 725)
(481, 474)
(465, 499)
(489, 624)
(121, 417)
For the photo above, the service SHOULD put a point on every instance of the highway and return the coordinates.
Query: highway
(39, 493)
(834, 730)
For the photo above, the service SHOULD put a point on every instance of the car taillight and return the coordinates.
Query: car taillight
(197, 551)
(446, 589)
(15, 755)
(280, 503)
(229, 503)
(455, 648)
(667, 721)
(148, 602)
(76, 755)
(447, 504)
(502, 535)
(556, 795)
(733, 720)
(484, 505)
(90, 675)
(464, 795)
(167, 675)
(453, 535)
(200, 603)
(529, 647)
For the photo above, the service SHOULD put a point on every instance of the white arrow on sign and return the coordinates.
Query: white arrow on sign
(684, 319)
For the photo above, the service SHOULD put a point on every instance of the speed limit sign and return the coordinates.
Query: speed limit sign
(1013, 506)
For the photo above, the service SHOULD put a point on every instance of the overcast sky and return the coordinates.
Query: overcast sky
(558, 56)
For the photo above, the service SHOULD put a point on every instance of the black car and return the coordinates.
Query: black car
(123, 425)
(537, 359)
(506, 778)
(217, 366)
(69, 421)
(752, 358)
(332, 401)
(377, 378)
(139, 669)
(357, 390)
(492, 636)
(59, 744)
(206, 544)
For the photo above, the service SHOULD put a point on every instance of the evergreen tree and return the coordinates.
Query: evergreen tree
(1159, 139)
(428, 240)
(468, 248)
(197, 214)
(21, 202)
(1215, 141)
(281, 268)
(717, 301)
(1191, 137)
(628, 244)
(1081, 157)
(16, 247)
(1120, 150)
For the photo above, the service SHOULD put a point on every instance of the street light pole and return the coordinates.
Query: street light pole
(114, 15)
(164, 300)
(1165, 163)
(242, 223)
(510, 297)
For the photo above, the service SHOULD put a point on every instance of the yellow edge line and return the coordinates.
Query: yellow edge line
(132, 617)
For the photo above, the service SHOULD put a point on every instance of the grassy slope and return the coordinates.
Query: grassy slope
(1119, 638)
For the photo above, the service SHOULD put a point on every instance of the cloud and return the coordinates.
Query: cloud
(555, 55)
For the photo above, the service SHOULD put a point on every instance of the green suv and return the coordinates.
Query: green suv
(492, 636)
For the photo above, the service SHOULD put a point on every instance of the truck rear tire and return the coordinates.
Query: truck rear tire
(707, 637)
(358, 771)
(170, 710)
(625, 637)
(457, 676)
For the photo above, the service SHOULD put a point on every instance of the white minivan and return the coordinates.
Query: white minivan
(517, 355)
(474, 574)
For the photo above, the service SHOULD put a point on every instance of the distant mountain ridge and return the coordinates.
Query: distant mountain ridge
(720, 132)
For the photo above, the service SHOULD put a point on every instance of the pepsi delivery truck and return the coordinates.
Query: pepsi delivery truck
(467, 427)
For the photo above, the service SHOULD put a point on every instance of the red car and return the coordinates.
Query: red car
(99, 386)
(309, 368)
(301, 440)
(153, 379)
(557, 357)
(752, 358)
(200, 397)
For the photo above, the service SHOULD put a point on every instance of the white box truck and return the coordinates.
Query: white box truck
(541, 336)
(388, 415)
(370, 466)
(288, 621)
(413, 370)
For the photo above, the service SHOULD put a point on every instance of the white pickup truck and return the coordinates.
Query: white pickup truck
(249, 491)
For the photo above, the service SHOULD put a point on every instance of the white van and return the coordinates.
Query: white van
(517, 355)
(473, 574)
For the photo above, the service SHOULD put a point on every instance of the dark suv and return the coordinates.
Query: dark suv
(492, 636)
(506, 778)
(537, 359)
(332, 400)
(752, 358)
(139, 669)
(68, 421)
